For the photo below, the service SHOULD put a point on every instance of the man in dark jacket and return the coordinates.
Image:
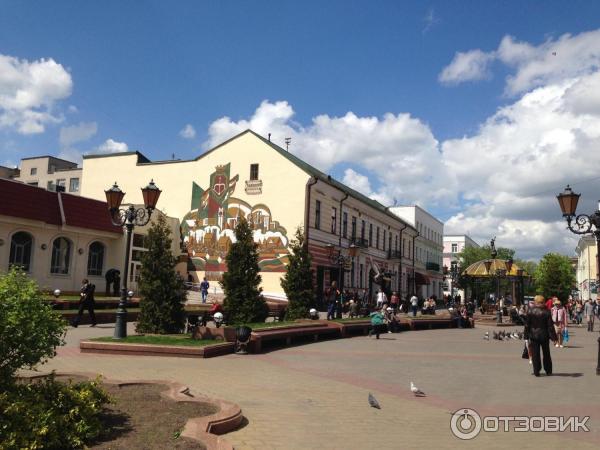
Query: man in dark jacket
(539, 330)
(86, 301)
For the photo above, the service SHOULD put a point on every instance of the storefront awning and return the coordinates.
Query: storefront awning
(421, 278)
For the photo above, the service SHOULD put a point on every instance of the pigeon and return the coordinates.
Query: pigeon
(373, 402)
(415, 390)
(486, 336)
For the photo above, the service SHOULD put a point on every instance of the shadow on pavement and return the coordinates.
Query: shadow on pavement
(572, 375)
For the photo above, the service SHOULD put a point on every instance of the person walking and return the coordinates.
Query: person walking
(377, 323)
(332, 298)
(381, 299)
(86, 301)
(414, 304)
(589, 311)
(394, 300)
(204, 289)
(539, 330)
(560, 321)
(578, 312)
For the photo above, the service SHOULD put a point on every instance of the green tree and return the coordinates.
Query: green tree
(298, 280)
(554, 276)
(241, 283)
(30, 330)
(161, 288)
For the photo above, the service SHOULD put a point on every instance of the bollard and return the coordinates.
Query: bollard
(598, 366)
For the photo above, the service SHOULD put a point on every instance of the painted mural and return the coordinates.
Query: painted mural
(208, 229)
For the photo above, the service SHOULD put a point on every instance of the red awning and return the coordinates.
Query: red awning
(421, 278)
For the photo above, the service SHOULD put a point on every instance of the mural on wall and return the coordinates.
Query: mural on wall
(208, 229)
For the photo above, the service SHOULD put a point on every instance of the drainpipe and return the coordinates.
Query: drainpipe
(401, 255)
(311, 182)
(413, 263)
(340, 269)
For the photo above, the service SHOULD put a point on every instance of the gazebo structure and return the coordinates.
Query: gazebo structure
(498, 270)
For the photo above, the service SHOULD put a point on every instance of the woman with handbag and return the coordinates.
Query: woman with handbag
(560, 321)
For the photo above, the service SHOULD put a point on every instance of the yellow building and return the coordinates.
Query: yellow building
(249, 176)
(587, 267)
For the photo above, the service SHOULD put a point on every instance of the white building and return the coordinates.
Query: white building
(51, 173)
(428, 248)
(586, 267)
(453, 245)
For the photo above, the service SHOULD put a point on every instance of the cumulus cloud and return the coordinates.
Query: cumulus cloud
(552, 61)
(111, 146)
(188, 132)
(77, 133)
(467, 66)
(29, 91)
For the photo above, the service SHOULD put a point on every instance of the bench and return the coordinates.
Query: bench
(287, 333)
(277, 310)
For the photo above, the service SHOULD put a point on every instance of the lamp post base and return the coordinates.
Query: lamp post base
(121, 317)
(598, 366)
(499, 316)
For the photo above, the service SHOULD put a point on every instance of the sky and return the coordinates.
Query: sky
(480, 112)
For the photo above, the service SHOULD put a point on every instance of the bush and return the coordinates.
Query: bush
(29, 329)
(51, 415)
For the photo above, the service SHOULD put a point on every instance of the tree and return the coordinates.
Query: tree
(30, 330)
(554, 276)
(241, 283)
(161, 288)
(298, 280)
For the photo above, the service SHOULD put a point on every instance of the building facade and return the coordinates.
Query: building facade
(248, 176)
(427, 248)
(587, 268)
(53, 174)
(453, 245)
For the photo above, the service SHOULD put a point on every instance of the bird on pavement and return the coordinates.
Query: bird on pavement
(486, 336)
(415, 390)
(373, 401)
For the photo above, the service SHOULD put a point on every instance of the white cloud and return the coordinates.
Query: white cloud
(188, 132)
(430, 20)
(77, 133)
(28, 92)
(112, 146)
(553, 61)
(357, 181)
(467, 66)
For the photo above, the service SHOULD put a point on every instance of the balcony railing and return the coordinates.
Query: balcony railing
(394, 254)
(432, 266)
(360, 242)
(253, 187)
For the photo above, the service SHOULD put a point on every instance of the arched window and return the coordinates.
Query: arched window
(20, 250)
(61, 256)
(95, 258)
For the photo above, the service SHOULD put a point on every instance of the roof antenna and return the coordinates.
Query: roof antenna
(287, 143)
(269, 137)
(173, 156)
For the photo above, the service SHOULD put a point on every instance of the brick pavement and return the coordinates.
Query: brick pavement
(315, 396)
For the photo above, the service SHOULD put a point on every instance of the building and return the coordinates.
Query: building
(250, 177)
(453, 245)
(427, 248)
(587, 267)
(51, 173)
(7, 172)
(59, 238)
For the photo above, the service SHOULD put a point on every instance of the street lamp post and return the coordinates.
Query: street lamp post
(584, 224)
(128, 218)
(336, 257)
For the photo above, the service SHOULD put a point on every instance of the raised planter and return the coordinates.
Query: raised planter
(116, 348)
(224, 333)
(101, 316)
(287, 333)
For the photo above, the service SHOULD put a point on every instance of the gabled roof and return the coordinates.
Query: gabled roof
(33, 203)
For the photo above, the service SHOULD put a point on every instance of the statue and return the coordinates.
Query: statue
(493, 248)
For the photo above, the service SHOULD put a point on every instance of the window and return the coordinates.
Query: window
(454, 248)
(384, 236)
(362, 231)
(254, 171)
(51, 186)
(353, 233)
(377, 238)
(345, 225)
(371, 234)
(318, 215)
(34, 183)
(95, 259)
(360, 276)
(20, 250)
(396, 243)
(74, 185)
(61, 185)
(61, 255)
(33, 171)
(333, 220)
(138, 240)
(390, 242)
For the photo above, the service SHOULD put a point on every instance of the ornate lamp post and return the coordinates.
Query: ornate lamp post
(584, 224)
(129, 218)
(499, 273)
(336, 257)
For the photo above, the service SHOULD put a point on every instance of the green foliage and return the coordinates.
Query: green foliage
(298, 280)
(161, 289)
(529, 283)
(243, 298)
(554, 276)
(49, 414)
(30, 330)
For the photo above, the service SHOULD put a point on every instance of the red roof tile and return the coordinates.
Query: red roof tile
(30, 202)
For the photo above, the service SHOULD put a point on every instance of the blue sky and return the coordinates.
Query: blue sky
(141, 71)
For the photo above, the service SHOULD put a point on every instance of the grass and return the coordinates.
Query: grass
(167, 339)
